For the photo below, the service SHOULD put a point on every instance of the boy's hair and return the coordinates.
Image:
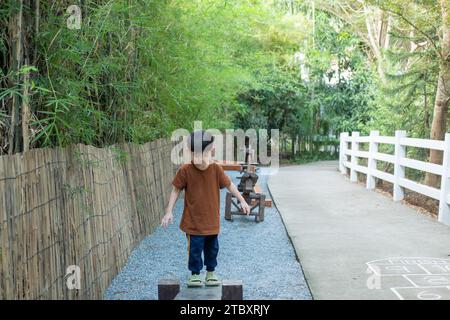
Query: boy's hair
(200, 140)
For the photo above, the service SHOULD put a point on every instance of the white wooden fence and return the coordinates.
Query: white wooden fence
(400, 162)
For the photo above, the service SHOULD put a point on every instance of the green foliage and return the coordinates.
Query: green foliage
(120, 156)
(334, 95)
(137, 70)
(406, 100)
(311, 157)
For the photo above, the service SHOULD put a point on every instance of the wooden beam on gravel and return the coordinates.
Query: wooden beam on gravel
(268, 202)
(170, 289)
(230, 165)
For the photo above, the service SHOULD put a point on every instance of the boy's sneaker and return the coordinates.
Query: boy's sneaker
(211, 279)
(194, 281)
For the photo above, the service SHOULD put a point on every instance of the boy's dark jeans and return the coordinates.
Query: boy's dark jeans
(209, 245)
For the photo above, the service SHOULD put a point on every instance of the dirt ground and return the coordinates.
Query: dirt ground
(425, 205)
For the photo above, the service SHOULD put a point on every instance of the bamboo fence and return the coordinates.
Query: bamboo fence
(80, 206)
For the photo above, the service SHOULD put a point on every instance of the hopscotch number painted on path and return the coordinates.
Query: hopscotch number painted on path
(427, 278)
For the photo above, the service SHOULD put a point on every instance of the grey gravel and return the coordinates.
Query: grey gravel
(260, 254)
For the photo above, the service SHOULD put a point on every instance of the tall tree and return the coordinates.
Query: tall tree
(368, 21)
(439, 124)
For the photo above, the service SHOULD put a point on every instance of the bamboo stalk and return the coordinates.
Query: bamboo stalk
(17, 59)
(26, 113)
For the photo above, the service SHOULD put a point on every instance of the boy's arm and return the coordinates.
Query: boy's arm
(235, 192)
(168, 217)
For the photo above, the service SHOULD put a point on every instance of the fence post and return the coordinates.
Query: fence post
(444, 211)
(371, 161)
(399, 171)
(342, 150)
(354, 161)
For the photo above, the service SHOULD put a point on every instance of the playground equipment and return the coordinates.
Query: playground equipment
(170, 289)
(242, 167)
(249, 189)
(257, 201)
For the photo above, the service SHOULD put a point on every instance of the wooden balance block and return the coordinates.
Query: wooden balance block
(230, 165)
(170, 289)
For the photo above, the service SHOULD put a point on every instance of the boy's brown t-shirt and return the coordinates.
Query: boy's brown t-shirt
(201, 214)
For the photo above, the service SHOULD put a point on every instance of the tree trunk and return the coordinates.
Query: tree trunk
(439, 123)
(293, 144)
(426, 117)
(374, 36)
(299, 145)
(16, 35)
(37, 15)
(25, 113)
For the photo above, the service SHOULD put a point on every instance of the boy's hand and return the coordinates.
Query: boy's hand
(167, 219)
(245, 207)
(235, 192)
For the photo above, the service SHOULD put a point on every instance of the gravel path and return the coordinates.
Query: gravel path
(260, 254)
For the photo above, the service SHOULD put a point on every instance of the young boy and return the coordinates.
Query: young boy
(202, 180)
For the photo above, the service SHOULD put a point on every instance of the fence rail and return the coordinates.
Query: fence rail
(79, 206)
(400, 161)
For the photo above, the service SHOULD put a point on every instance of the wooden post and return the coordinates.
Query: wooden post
(444, 211)
(168, 289)
(232, 290)
(342, 149)
(261, 207)
(399, 171)
(372, 162)
(354, 159)
(228, 207)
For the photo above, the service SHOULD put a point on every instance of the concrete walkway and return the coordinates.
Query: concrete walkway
(358, 244)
